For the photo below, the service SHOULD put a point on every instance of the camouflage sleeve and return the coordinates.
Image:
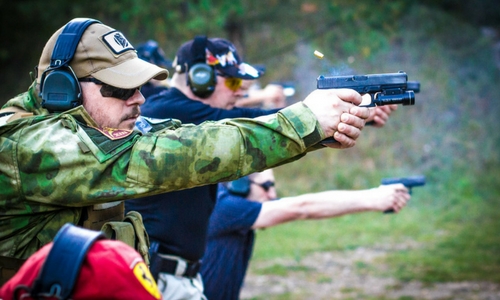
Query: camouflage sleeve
(223, 150)
(54, 161)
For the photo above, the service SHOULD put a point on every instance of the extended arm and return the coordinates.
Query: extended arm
(331, 204)
(135, 166)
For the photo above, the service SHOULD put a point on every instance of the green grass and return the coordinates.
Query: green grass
(454, 224)
(450, 229)
(281, 270)
(469, 248)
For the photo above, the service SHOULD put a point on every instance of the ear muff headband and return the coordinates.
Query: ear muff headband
(201, 77)
(59, 86)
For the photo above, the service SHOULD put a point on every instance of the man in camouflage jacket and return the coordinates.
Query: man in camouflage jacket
(54, 164)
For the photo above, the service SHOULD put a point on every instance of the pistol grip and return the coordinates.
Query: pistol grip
(390, 211)
(329, 140)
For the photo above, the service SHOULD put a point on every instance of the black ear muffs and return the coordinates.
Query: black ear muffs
(59, 86)
(60, 89)
(202, 80)
(240, 187)
(201, 77)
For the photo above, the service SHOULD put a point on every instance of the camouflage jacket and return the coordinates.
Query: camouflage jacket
(52, 165)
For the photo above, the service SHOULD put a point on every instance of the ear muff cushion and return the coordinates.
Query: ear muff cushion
(202, 79)
(60, 91)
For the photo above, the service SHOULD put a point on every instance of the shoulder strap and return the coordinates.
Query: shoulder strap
(60, 270)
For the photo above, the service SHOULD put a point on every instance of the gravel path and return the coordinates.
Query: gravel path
(344, 275)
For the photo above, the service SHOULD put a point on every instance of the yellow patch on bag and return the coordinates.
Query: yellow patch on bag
(141, 271)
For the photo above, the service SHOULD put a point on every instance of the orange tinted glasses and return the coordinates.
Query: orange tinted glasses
(232, 83)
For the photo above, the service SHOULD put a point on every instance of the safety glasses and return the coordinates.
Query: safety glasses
(232, 83)
(111, 91)
(266, 185)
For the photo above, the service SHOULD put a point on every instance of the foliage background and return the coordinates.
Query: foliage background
(451, 135)
(266, 33)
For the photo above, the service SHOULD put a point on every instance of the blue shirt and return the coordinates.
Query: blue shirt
(178, 221)
(229, 245)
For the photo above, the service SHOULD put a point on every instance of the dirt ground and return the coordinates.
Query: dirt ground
(340, 275)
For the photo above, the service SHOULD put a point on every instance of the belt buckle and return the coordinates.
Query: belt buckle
(179, 267)
(192, 269)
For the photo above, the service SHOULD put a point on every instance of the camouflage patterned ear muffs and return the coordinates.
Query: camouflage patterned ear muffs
(201, 77)
(240, 187)
(59, 86)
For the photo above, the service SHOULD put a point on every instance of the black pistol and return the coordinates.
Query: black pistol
(409, 182)
(384, 89)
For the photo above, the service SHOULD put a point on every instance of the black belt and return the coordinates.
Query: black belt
(161, 264)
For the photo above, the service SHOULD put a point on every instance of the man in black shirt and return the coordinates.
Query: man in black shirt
(206, 84)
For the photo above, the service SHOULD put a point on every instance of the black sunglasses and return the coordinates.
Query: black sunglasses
(111, 91)
(266, 185)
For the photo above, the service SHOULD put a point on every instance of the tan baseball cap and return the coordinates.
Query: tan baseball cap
(104, 53)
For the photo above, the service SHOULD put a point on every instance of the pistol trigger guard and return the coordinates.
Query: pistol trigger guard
(368, 103)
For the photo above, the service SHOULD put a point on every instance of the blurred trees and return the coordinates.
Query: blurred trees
(479, 12)
(263, 31)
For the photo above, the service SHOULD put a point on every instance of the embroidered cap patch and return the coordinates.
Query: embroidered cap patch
(117, 42)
